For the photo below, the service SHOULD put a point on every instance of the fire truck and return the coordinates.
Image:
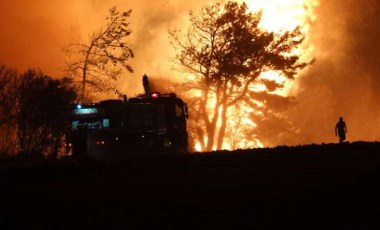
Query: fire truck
(114, 129)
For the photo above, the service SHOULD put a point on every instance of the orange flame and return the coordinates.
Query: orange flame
(278, 16)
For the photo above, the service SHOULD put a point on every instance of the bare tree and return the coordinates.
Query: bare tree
(227, 52)
(104, 56)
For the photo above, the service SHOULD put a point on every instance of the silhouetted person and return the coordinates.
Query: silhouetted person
(341, 130)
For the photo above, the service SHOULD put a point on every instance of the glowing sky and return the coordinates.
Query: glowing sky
(344, 81)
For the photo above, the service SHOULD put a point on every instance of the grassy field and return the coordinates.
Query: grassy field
(327, 186)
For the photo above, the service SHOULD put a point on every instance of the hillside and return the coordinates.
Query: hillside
(327, 186)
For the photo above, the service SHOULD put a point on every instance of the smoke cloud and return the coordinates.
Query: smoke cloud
(34, 33)
(344, 80)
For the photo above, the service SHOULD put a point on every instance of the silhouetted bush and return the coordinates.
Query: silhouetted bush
(40, 116)
(34, 117)
(8, 87)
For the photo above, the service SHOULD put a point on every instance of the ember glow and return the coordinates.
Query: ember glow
(278, 16)
(342, 35)
(286, 15)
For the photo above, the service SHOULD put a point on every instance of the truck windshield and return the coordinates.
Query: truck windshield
(90, 123)
(142, 118)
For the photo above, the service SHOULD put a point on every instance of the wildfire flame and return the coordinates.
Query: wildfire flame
(278, 16)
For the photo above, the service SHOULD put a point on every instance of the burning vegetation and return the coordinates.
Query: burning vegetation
(236, 100)
(236, 71)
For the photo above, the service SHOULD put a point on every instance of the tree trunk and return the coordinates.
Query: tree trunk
(84, 78)
(222, 129)
(85, 66)
(211, 129)
(211, 126)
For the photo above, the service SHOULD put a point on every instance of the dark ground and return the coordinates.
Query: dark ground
(308, 187)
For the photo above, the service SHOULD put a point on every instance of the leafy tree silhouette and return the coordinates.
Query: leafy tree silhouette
(226, 52)
(39, 112)
(104, 56)
(8, 87)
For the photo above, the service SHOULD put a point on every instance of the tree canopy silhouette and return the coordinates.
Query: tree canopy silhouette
(104, 56)
(33, 110)
(8, 87)
(226, 52)
(8, 78)
(39, 112)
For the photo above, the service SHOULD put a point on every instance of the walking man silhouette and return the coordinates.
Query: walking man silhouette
(341, 130)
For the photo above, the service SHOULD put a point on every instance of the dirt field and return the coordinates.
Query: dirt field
(307, 187)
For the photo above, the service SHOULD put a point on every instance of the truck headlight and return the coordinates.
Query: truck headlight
(167, 143)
